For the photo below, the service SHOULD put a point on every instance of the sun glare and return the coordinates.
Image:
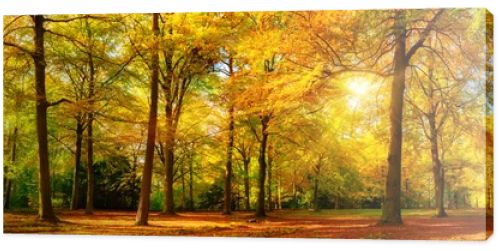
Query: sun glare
(358, 86)
(358, 89)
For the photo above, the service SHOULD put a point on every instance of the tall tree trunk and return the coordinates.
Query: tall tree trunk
(316, 185)
(229, 164)
(279, 188)
(270, 177)
(183, 183)
(191, 201)
(294, 192)
(168, 205)
(8, 190)
(78, 155)
(437, 168)
(229, 150)
(260, 212)
(45, 210)
(489, 121)
(147, 171)
(238, 198)
(391, 213)
(7, 181)
(246, 181)
(168, 199)
(89, 208)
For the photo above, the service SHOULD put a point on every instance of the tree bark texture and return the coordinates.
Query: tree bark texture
(45, 210)
(391, 211)
(75, 191)
(147, 171)
(229, 151)
(260, 211)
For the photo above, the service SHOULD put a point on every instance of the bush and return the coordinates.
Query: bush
(212, 198)
(24, 192)
(156, 201)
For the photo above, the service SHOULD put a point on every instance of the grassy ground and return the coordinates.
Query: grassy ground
(347, 224)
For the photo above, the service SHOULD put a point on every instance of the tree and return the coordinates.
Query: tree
(89, 207)
(18, 105)
(185, 60)
(435, 115)
(439, 93)
(244, 146)
(229, 151)
(391, 213)
(78, 81)
(275, 89)
(270, 158)
(143, 209)
(7, 181)
(94, 73)
(45, 210)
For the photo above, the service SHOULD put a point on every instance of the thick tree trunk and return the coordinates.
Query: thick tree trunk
(8, 190)
(238, 198)
(168, 205)
(7, 181)
(168, 199)
(89, 208)
(229, 163)
(75, 191)
(246, 181)
(45, 210)
(260, 212)
(183, 183)
(147, 171)
(270, 177)
(391, 213)
(191, 201)
(437, 169)
(316, 185)
(315, 195)
(279, 194)
(229, 150)
(279, 189)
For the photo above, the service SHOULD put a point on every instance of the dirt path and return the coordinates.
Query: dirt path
(284, 224)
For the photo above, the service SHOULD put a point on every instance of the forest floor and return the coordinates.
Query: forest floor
(462, 224)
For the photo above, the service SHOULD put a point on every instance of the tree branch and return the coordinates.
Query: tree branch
(423, 35)
(65, 20)
(49, 104)
(25, 50)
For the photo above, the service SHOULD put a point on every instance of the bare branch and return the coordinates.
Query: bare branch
(423, 35)
(65, 20)
(49, 104)
(25, 50)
